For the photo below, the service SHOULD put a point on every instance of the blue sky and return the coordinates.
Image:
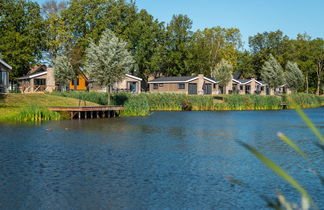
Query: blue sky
(250, 16)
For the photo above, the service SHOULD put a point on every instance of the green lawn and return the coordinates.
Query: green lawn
(11, 104)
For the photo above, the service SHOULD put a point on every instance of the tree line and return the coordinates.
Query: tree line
(32, 33)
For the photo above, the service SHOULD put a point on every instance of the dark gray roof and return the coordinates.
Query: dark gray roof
(262, 82)
(237, 75)
(173, 79)
(244, 80)
(5, 64)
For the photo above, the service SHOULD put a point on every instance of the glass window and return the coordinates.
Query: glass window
(181, 86)
(156, 86)
(78, 82)
(40, 82)
(161, 85)
(3, 78)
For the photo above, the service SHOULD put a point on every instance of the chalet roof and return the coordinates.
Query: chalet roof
(178, 79)
(173, 79)
(237, 75)
(5, 64)
(133, 77)
(37, 69)
(244, 81)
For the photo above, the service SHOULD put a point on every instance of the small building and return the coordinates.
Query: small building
(4, 76)
(194, 85)
(248, 86)
(129, 83)
(39, 79)
(82, 82)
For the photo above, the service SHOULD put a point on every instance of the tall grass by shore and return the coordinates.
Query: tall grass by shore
(35, 113)
(141, 104)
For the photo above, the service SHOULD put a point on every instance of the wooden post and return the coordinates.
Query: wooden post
(91, 113)
(72, 115)
(103, 114)
(98, 115)
(85, 114)
(79, 115)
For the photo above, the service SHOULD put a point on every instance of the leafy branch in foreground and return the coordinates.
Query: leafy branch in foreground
(306, 198)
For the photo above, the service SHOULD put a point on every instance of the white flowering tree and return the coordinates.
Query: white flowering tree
(108, 61)
(63, 70)
(222, 72)
(294, 76)
(272, 73)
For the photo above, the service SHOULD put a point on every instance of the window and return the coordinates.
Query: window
(3, 78)
(40, 82)
(155, 86)
(78, 81)
(215, 86)
(161, 85)
(181, 86)
(241, 87)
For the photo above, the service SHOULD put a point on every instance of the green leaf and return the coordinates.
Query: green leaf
(291, 144)
(278, 170)
(309, 123)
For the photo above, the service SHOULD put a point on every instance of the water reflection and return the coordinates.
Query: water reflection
(175, 160)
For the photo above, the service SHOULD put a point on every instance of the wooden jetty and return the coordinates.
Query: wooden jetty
(89, 112)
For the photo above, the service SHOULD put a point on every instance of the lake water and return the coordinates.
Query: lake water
(169, 160)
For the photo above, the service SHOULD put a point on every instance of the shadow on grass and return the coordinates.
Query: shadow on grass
(2, 98)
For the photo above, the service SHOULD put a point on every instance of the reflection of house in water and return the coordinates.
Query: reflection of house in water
(4, 76)
(39, 79)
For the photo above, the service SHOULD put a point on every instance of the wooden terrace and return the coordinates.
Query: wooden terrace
(89, 112)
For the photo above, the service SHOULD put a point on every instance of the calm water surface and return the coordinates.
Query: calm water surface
(169, 160)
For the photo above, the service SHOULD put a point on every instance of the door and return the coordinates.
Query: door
(207, 89)
(132, 87)
(192, 88)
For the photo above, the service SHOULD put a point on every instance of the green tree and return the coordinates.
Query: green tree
(22, 35)
(57, 31)
(293, 76)
(264, 44)
(88, 19)
(63, 70)
(211, 45)
(318, 59)
(222, 72)
(146, 42)
(179, 36)
(245, 64)
(272, 73)
(108, 61)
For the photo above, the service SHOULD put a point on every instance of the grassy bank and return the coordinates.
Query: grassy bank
(141, 104)
(32, 107)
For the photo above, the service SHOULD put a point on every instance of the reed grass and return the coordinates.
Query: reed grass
(36, 113)
(136, 106)
(145, 102)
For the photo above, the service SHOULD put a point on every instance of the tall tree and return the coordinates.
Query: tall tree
(63, 70)
(88, 19)
(146, 42)
(222, 72)
(22, 35)
(108, 61)
(264, 44)
(318, 59)
(57, 31)
(179, 36)
(293, 76)
(272, 73)
(212, 45)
